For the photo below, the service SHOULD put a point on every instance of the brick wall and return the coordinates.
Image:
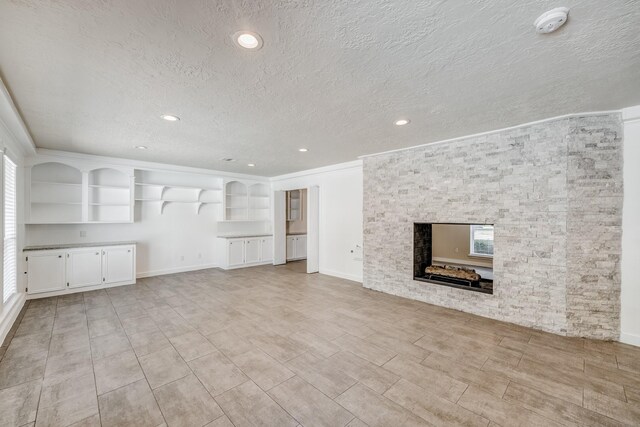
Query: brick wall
(554, 193)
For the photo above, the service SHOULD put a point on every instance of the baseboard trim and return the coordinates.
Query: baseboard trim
(630, 339)
(9, 315)
(340, 275)
(174, 270)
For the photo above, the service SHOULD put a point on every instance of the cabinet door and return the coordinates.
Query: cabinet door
(291, 247)
(267, 249)
(45, 272)
(301, 247)
(236, 252)
(84, 267)
(118, 264)
(252, 250)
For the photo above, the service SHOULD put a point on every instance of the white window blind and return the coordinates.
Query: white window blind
(10, 233)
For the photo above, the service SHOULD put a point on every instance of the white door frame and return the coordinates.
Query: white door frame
(313, 229)
(279, 228)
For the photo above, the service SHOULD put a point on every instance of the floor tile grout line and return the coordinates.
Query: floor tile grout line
(139, 366)
(45, 367)
(95, 382)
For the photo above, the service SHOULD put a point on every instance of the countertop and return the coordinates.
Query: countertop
(74, 245)
(237, 236)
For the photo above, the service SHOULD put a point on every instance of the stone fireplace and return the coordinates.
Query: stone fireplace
(553, 191)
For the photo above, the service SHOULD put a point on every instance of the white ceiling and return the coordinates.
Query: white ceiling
(333, 75)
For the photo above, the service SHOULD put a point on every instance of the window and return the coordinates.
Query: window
(10, 259)
(481, 240)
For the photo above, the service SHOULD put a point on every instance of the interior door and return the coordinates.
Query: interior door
(279, 228)
(84, 267)
(313, 229)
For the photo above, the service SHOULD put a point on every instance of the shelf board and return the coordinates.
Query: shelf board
(236, 195)
(56, 203)
(237, 207)
(180, 187)
(114, 187)
(56, 183)
(177, 201)
(114, 221)
(109, 204)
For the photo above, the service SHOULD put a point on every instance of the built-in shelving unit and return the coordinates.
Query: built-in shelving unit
(247, 202)
(62, 193)
(55, 193)
(259, 202)
(175, 192)
(109, 196)
(236, 202)
(294, 205)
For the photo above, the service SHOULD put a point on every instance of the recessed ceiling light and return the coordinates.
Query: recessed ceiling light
(247, 40)
(303, 150)
(251, 164)
(170, 118)
(141, 147)
(402, 122)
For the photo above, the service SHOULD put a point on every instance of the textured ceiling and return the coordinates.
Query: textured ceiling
(333, 75)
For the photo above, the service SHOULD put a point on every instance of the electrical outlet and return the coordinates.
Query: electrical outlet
(83, 233)
(182, 258)
(457, 250)
(199, 255)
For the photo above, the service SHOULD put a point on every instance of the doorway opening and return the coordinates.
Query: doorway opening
(295, 229)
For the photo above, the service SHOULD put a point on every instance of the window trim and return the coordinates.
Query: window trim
(471, 241)
(7, 161)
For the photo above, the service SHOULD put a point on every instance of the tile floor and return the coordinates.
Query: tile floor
(273, 346)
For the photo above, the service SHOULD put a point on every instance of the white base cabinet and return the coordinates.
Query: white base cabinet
(296, 247)
(46, 271)
(245, 251)
(84, 267)
(118, 264)
(60, 271)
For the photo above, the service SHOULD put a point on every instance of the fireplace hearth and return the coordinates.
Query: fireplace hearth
(454, 255)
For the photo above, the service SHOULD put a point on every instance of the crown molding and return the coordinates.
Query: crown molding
(355, 164)
(142, 165)
(490, 132)
(631, 114)
(13, 125)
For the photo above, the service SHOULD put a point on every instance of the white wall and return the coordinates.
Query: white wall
(630, 293)
(340, 215)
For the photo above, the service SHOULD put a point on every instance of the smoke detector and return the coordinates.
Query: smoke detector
(550, 21)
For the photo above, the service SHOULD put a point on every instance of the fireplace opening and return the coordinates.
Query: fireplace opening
(455, 255)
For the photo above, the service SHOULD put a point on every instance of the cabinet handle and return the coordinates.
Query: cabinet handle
(129, 250)
(97, 253)
(59, 256)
